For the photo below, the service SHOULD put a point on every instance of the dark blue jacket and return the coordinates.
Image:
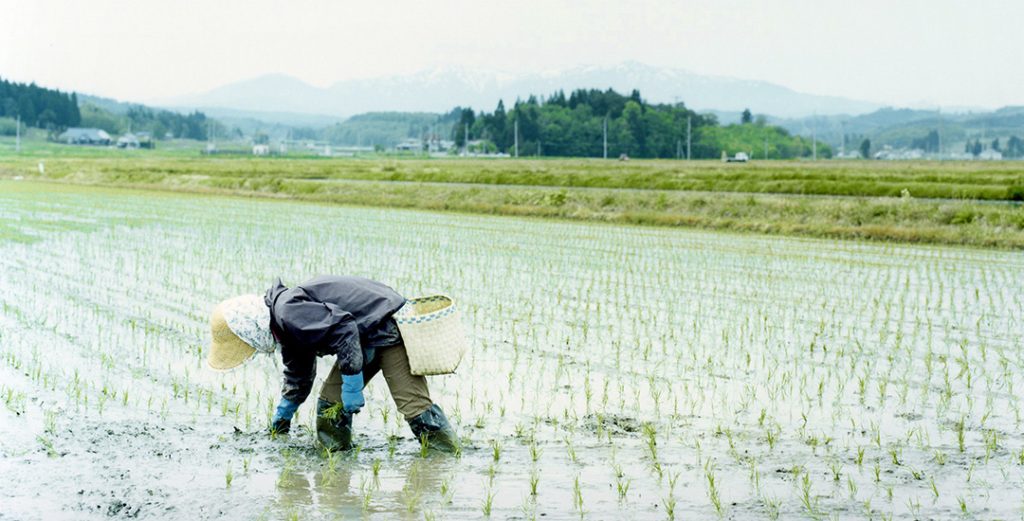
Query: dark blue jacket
(329, 315)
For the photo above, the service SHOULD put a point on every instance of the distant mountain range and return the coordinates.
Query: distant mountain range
(900, 127)
(280, 105)
(441, 89)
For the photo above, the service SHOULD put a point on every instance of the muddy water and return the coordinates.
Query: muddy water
(630, 373)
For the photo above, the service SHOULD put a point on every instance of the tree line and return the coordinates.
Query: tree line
(164, 123)
(1014, 147)
(37, 106)
(160, 124)
(578, 125)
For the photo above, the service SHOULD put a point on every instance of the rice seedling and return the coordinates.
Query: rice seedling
(670, 507)
(48, 446)
(571, 451)
(577, 495)
(496, 450)
(771, 506)
(836, 468)
(535, 451)
(393, 446)
(488, 502)
(806, 499)
(713, 496)
(447, 492)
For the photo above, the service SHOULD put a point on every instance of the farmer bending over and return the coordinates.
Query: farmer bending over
(348, 317)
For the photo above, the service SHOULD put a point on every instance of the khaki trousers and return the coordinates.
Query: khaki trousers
(410, 392)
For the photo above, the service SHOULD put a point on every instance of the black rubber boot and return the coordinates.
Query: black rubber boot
(333, 426)
(434, 431)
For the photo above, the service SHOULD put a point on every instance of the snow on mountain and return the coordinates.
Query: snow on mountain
(441, 88)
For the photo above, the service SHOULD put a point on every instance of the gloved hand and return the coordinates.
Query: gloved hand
(352, 392)
(281, 423)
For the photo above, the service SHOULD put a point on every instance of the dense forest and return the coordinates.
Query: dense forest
(574, 126)
(37, 106)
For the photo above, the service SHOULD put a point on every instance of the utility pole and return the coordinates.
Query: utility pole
(516, 126)
(814, 139)
(465, 139)
(606, 136)
(842, 149)
(688, 128)
(679, 149)
(766, 148)
(17, 139)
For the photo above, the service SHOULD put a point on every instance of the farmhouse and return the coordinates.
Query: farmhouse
(84, 136)
(410, 145)
(261, 150)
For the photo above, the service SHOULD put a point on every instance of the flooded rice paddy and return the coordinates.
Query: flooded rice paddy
(617, 372)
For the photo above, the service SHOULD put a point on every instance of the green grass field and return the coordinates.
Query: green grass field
(941, 203)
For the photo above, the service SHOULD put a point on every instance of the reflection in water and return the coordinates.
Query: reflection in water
(351, 488)
(293, 489)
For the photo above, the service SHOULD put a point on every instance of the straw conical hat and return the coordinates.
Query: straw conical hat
(239, 327)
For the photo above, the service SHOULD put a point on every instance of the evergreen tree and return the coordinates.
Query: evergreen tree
(466, 120)
(75, 117)
(1015, 147)
(747, 117)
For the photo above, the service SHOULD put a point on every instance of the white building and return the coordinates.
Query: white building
(261, 150)
(990, 155)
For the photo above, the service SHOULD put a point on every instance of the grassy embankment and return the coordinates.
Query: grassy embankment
(756, 197)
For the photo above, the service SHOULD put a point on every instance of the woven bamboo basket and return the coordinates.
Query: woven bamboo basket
(432, 330)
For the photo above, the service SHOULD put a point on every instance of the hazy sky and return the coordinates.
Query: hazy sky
(948, 52)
